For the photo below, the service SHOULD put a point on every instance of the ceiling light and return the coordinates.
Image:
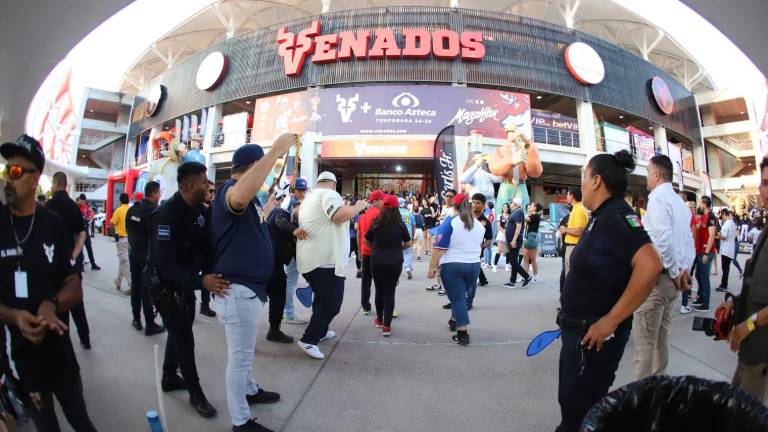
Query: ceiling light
(742, 113)
(539, 97)
(248, 102)
(90, 110)
(398, 168)
(621, 116)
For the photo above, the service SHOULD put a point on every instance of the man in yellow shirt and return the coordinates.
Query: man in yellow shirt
(629, 199)
(577, 221)
(123, 248)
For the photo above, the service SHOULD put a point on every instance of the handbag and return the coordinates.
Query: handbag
(530, 241)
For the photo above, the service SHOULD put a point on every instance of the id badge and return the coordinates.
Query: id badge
(20, 284)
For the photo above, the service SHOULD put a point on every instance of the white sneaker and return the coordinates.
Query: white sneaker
(494, 268)
(685, 310)
(507, 268)
(535, 278)
(294, 320)
(483, 265)
(330, 335)
(312, 350)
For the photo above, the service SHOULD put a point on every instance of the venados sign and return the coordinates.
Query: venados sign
(418, 44)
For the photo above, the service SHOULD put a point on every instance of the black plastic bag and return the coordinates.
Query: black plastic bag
(663, 403)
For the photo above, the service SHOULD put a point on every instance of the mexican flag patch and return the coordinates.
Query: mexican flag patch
(633, 221)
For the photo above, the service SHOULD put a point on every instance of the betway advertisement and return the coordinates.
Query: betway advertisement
(415, 110)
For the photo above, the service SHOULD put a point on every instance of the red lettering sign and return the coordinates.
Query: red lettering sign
(418, 44)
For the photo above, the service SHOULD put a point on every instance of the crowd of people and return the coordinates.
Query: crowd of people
(622, 272)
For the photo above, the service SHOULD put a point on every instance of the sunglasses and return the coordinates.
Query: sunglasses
(15, 172)
(211, 190)
(450, 196)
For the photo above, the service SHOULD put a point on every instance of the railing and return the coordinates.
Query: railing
(87, 187)
(738, 144)
(559, 137)
(89, 140)
(219, 138)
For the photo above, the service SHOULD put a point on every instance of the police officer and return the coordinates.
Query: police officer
(613, 269)
(38, 286)
(180, 257)
(137, 225)
(73, 224)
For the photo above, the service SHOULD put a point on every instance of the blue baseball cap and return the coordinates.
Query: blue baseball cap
(301, 184)
(246, 155)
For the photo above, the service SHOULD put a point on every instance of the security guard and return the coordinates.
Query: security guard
(38, 286)
(613, 270)
(137, 226)
(180, 257)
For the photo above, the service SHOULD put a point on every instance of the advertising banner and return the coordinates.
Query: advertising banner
(275, 115)
(616, 138)
(377, 148)
(553, 120)
(445, 162)
(420, 110)
(644, 144)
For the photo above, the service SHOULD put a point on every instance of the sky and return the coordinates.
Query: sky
(104, 55)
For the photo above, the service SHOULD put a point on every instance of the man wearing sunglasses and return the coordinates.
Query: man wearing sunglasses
(205, 296)
(38, 286)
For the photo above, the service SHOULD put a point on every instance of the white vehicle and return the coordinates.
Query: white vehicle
(98, 220)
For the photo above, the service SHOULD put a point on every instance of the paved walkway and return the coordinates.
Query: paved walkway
(417, 380)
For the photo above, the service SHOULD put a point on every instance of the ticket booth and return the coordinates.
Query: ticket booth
(118, 183)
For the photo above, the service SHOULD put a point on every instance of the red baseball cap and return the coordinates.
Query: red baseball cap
(390, 201)
(458, 199)
(376, 195)
(138, 196)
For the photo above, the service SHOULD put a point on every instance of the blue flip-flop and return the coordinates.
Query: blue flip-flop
(305, 296)
(541, 341)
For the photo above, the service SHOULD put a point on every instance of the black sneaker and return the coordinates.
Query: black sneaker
(452, 325)
(86, 343)
(95, 267)
(137, 325)
(509, 284)
(206, 310)
(432, 287)
(263, 397)
(721, 289)
(201, 405)
(250, 426)
(278, 336)
(173, 383)
(153, 329)
(482, 283)
(447, 306)
(359, 275)
(701, 307)
(461, 338)
(527, 280)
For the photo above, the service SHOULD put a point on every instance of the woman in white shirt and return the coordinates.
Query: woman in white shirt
(727, 247)
(457, 253)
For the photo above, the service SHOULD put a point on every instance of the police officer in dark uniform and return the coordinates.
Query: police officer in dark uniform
(38, 286)
(137, 224)
(614, 267)
(181, 257)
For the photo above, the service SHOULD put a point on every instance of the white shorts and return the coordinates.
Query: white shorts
(418, 234)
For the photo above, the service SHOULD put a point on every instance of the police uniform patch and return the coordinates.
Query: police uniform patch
(633, 221)
(163, 232)
(200, 221)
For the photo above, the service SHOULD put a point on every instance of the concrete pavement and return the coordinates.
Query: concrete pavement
(416, 380)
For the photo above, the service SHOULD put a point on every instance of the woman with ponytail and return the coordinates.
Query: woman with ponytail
(614, 267)
(457, 253)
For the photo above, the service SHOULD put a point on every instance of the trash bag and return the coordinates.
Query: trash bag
(687, 403)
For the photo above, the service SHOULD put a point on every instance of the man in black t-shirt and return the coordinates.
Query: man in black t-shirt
(514, 233)
(38, 286)
(74, 226)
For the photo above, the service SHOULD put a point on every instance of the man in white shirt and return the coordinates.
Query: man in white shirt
(667, 222)
(727, 247)
(322, 256)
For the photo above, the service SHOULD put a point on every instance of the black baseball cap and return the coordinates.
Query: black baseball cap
(25, 146)
(246, 155)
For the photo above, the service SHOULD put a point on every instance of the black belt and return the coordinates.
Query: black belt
(570, 244)
(575, 323)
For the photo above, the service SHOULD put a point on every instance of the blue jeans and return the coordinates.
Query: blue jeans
(329, 294)
(239, 312)
(459, 281)
(292, 278)
(487, 255)
(702, 278)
